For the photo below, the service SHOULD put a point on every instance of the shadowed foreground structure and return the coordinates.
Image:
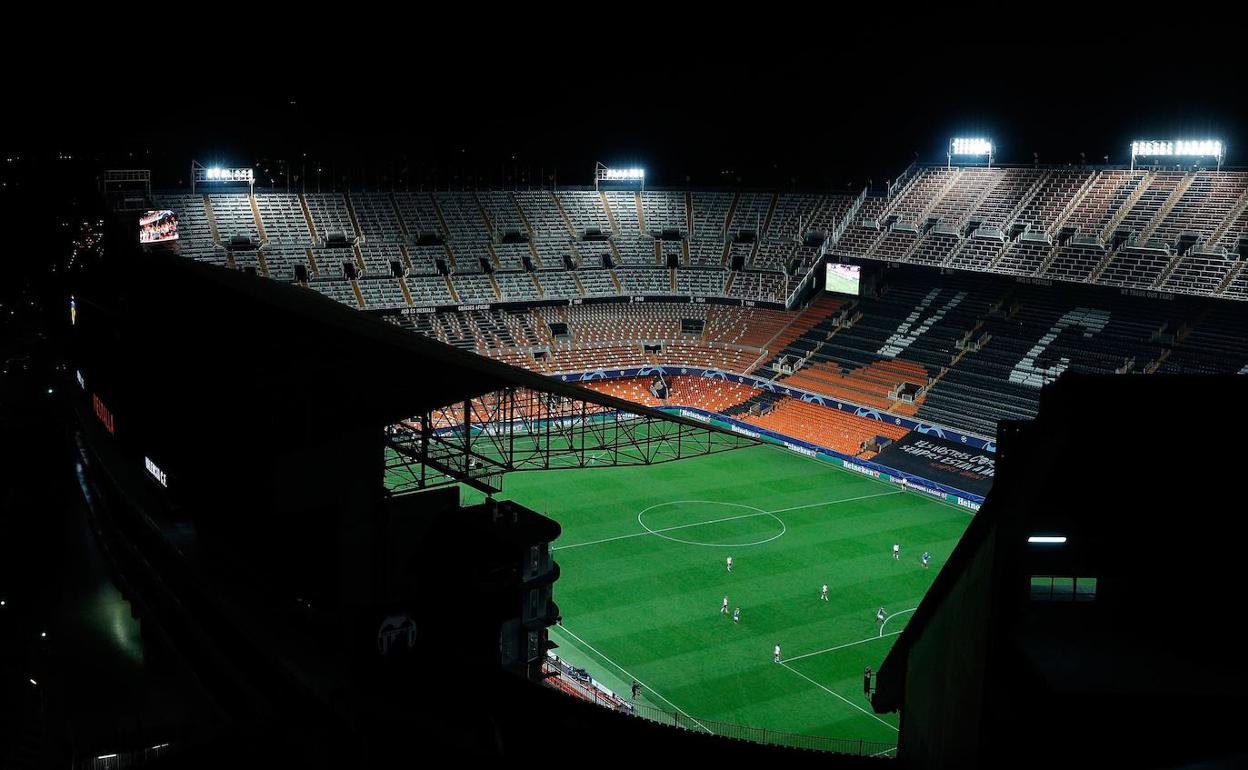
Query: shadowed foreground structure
(1115, 646)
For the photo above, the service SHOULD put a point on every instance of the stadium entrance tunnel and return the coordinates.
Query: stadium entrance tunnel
(710, 523)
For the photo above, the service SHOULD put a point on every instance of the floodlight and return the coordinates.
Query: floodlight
(604, 174)
(1047, 539)
(1178, 148)
(971, 147)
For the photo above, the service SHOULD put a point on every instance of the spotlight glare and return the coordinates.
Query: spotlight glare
(964, 146)
(1182, 148)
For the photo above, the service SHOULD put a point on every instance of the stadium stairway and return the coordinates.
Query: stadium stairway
(314, 269)
(615, 225)
(407, 293)
(212, 221)
(355, 222)
(398, 219)
(255, 212)
(307, 216)
(489, 225)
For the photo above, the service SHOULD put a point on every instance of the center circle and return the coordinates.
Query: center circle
(744, 519)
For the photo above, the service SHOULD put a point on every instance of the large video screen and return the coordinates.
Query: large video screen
(158, 226)
(843, 279)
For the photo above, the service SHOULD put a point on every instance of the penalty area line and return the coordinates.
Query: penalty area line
(842, 697)
(842, 646)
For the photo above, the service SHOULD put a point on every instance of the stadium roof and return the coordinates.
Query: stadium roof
(214, 346)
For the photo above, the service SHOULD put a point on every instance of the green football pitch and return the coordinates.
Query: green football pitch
(841, 284)
(643, 576)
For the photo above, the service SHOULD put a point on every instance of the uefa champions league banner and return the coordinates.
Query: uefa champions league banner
(941, 461)
(935, 431)
(913, 482)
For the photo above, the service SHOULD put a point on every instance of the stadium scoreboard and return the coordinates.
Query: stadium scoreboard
(843, 279)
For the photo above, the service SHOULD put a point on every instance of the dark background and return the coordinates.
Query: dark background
(772, 98)
(773, 111)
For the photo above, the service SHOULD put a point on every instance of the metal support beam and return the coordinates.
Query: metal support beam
(476, 441)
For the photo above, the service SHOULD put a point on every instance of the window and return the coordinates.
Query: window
(1050, 588)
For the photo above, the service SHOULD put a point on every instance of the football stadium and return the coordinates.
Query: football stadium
(706, 468)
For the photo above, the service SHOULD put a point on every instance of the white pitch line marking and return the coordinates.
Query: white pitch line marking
(843, 646)
(838, 695)
(719, 521)
(630, 676)
(890, 617)
(665, 529)
(833, 502)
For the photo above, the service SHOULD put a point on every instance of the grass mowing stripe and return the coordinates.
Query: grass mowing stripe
(653, 605)
(843, 646)
(838, 695)
(895, 614)
(666, 529)
(834, 502)
(590, 647)
(835, 466)
(718, 521)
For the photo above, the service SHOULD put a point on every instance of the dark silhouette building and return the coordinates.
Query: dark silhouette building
(1089, 614)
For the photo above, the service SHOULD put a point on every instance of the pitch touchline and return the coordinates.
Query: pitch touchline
(643, 684)
(720, 521)
(838, 695)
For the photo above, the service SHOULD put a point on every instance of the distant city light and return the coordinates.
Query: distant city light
(970, 147)
(1047, 539)
(1202, 148)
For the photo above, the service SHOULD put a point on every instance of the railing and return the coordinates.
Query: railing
(562, 679)
(841, 226)
(826, 246)
(901, 179)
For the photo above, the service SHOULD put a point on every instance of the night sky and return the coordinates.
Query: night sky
(821, 114)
